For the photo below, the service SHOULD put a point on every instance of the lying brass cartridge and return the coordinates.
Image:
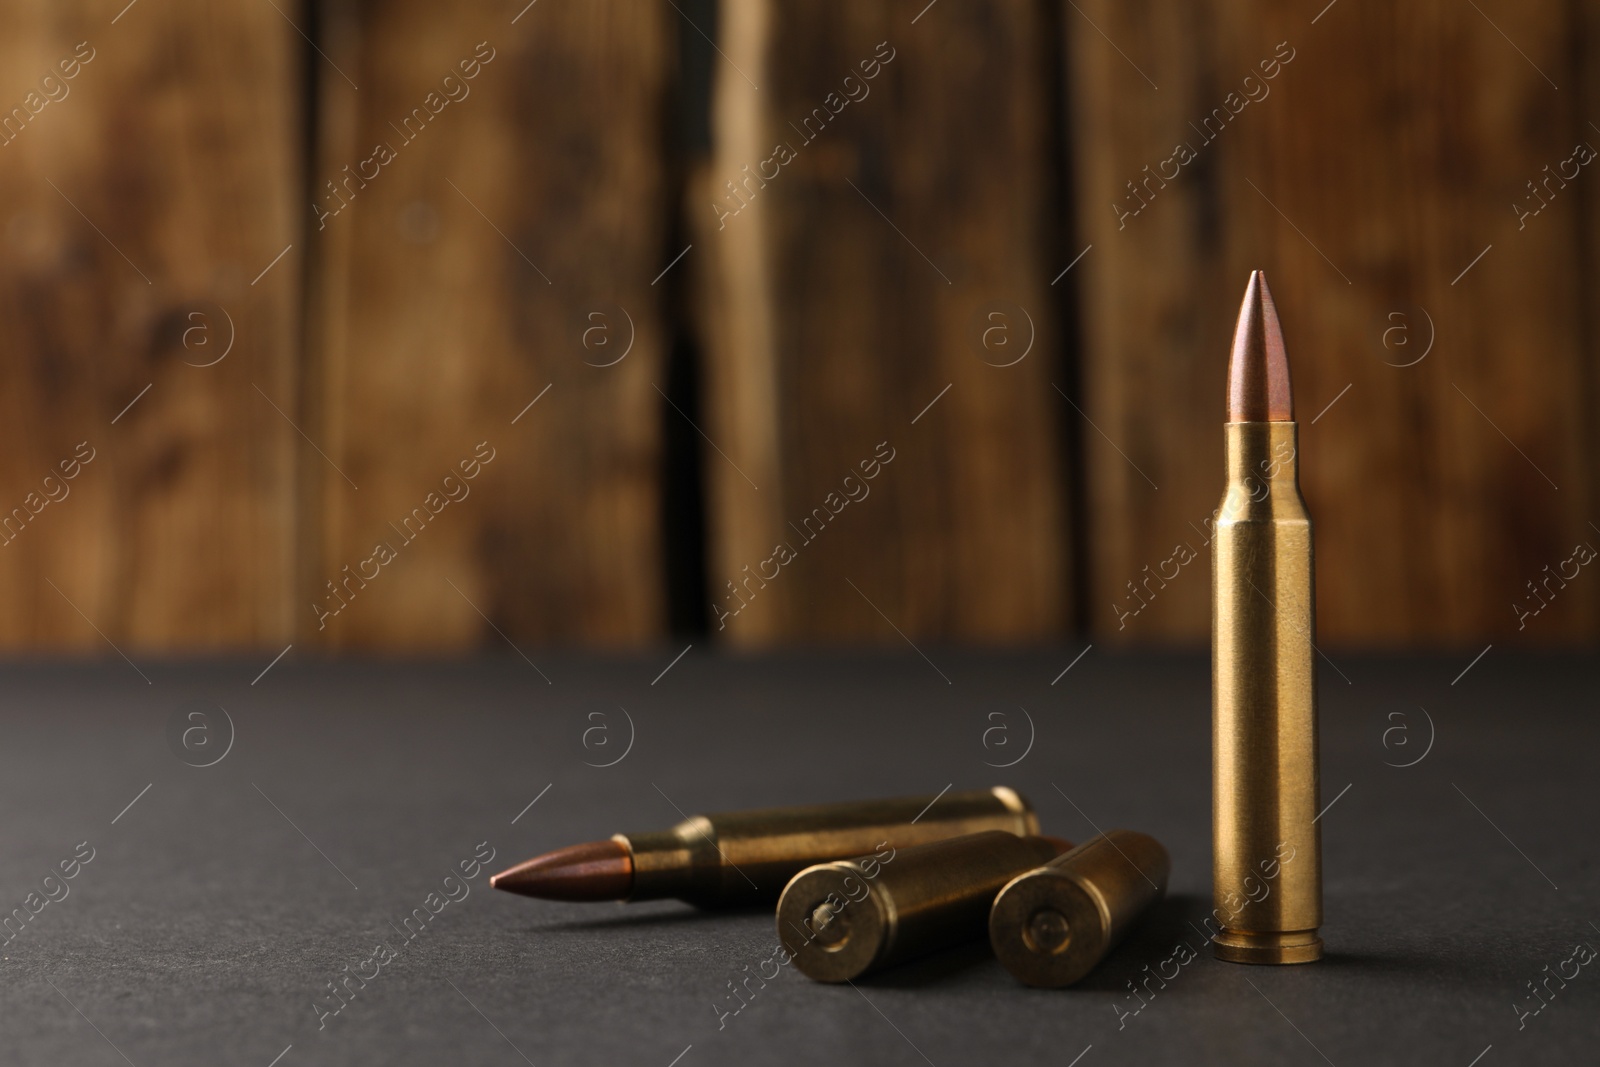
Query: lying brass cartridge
(1051, 926)
(841, 920)
(1267, 863)
(739, 858)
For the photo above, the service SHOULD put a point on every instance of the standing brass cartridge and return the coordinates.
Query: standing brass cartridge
(739, 858)
(1053, 925)
(841, 920)
(1267, 866)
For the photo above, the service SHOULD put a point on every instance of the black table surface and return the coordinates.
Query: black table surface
(1459, 859)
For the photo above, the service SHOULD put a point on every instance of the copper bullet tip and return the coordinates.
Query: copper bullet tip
(1258, 371)
(596, 870)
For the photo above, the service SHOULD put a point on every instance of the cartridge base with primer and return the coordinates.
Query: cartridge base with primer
(842, 920)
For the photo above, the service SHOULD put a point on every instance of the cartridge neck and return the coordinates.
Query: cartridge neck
(675, 862)
(1263, 464)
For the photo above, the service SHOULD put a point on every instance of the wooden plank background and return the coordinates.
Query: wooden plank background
(458, 285)
(1364, 192)
(146, 184)
(292, 274)
(851, 291)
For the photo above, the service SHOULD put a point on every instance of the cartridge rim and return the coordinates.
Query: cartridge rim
(1048, 928)
(1017, 804)
(1269, 947)
(868, 927)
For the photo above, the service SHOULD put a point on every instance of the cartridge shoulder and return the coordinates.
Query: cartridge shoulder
(1276, 503)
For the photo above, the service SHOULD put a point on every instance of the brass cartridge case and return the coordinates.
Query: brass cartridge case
(1053, 925)
(1267, 862)
(841, 920)
(747, 857)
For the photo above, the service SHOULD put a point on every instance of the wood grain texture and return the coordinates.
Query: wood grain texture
(147, 163)
(507, 247)
(1364, 187)
(848, 279)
